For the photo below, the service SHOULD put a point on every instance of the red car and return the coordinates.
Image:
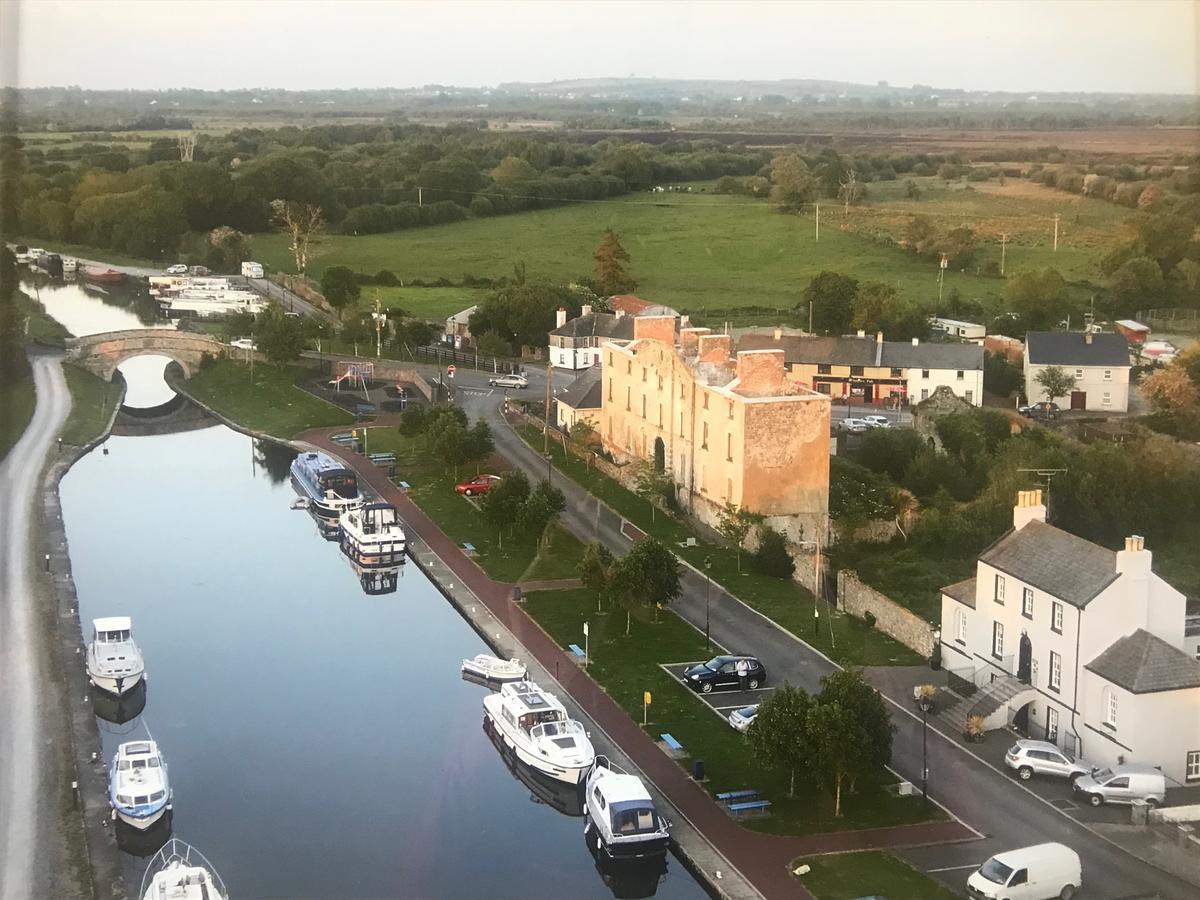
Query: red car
(480, 484)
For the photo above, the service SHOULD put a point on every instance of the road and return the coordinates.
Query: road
(25, 823)
(993, 804)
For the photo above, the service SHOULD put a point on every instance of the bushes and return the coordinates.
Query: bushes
(772, 557)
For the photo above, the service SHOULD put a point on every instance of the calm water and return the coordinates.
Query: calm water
(321, 742)
(85, 308)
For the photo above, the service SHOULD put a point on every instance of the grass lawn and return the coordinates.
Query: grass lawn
(434, 304)
(842, 638)
(506, 557)
(271, 403)
(628, 666)
(39, 325)
(846, 876)
(17, 402)
(697, 253)
(92, 403)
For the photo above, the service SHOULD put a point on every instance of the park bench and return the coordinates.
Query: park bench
(469, 548)
(343, 438)
(750, 806)
(729, 796)
(381, 459)
(671, 743)
(578, 651)
(403, 485)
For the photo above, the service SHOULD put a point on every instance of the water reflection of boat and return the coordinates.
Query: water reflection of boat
(105, 275)
(566, 798)
(628, 879)
(327, 528)
(123, 709)
(377, 581)
(143, 842)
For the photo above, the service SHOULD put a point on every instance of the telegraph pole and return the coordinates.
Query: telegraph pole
(941, 273)
(818, 232)
(419, 190)
(549, 395)
(810, 314)
(1003, 241)
(1056, 232)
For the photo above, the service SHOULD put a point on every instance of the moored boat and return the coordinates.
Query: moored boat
(69, 265)
(492, 668)
(566, 798)
(138, 789)
(371, 536)
(330, 487)
(103, 276)
(114, 661)
(535, 725)
(180, 872)
(621, 815)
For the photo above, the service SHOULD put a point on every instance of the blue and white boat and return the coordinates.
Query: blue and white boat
(330, 487)
(137, 785)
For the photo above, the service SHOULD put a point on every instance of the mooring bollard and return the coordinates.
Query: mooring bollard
(75, 793)
(47, 562)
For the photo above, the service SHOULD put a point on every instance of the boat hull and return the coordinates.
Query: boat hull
(470, 667)
(322, 507)
(566, 774)
(117, 687)
(373, 556)
(142, 822)
(642, 848)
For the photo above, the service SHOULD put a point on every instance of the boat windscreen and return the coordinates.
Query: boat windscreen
(633, 817)
(341, 481)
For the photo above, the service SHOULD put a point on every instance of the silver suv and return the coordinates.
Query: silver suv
(1127, 783)
(1029, 758)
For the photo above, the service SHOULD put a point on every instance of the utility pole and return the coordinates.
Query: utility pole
(419, 203)
(380, 317)
(1056, 232)
(549, 397)
(818, 232)
(941, 273)
(810, 314)
(1003, 242)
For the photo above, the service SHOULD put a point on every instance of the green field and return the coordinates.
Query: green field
(705, 252)
(270, 403)
(847, 876)
(16, 409)
(92, 403)
(434, 304)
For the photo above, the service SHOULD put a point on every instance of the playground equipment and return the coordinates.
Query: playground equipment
(358, 374)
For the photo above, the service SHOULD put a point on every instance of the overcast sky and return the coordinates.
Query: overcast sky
(1144, 45)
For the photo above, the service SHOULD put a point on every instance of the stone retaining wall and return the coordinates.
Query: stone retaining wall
(858, 598)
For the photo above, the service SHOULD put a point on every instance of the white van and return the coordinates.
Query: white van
(252, 270)
(1041, 872)
(1126, 783)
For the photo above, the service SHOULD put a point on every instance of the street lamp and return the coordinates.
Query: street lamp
(707, 596)
(925, 703)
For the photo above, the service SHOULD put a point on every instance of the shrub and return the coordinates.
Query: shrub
(869, 618)
(772, 557)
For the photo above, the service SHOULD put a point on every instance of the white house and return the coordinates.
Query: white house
(1099, 363)
(458, 329)
(576, 344)
(581, 401)
(1077, 644)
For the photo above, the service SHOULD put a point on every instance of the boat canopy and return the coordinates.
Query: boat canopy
(113, 623)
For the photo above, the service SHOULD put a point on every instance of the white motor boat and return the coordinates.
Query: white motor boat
(621, 816)
(371, 536)
(114, 662)
(493, 668)
(535, 725)
(137, 785)
(180, 872)
(70, 265)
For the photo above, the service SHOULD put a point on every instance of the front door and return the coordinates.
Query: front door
(1078, 399)
(1025, 660)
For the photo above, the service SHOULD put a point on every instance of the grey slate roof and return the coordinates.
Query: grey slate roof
(1144, 663)
(598, 325)
(962, 591)
(864, 351)
(1070, 348)
(1055, 561)
(584, 392)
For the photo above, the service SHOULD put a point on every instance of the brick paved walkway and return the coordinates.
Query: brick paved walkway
(762, 858)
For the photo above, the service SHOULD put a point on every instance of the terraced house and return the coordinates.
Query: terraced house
(1077, 644)
(727, 428)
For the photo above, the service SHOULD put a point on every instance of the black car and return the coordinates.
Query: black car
(1043, 410)
(721, 673)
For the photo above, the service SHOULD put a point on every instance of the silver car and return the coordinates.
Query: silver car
(1127, 783)
(878, 421)
(509, 381)
(1029, 758)
(742, 719)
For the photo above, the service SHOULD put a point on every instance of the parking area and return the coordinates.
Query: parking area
(721, 701)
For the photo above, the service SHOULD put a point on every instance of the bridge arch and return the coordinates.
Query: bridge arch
(102, 354)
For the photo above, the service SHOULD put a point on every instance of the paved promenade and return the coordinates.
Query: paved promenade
(761, 858)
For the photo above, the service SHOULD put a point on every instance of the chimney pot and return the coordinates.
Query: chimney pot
(587, 309)
(1087, 338)
(778, 333)
(861, 333)
(916, 342)
(561, 317)
(879, 337)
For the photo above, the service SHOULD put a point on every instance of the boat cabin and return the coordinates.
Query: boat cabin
(112, 630)
(532, 707)
(342, 482)
(375, 518)
(137, 755)
(627, 805)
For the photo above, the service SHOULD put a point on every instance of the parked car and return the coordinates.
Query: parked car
(721, 672)
(1041, 872)
(742, 719)
(177, 269)
(520, 382)
(244, 344)
(1043, 410)
(878, 421)
(1122, 784)
(1029, 758)
(480, 484)
(853, 426)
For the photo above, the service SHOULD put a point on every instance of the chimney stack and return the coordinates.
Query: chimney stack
(1133, 563)
(916, 342)
(778, 333)
(861, 333)
(560, 318)
(1087, 337)
(587, 309)
(620, 312)
(879, 337)
(1029, 508)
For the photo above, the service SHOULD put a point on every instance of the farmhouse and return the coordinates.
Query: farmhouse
(1077, 644)
(458, 329)
(865, 370)
(1099, 362)
(580, 402)
(726, 428)
(576, 344)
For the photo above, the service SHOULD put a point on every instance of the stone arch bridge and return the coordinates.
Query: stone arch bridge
(101, 354)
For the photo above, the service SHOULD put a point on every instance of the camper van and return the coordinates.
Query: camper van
(1041, 872)
(252, 270)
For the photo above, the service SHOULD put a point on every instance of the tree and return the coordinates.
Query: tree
(228, 249)
(1000, 377)
(452, 444)
(772, 557)
(608, 266)
(649, 483)
(1170, 390)
(734, 524)
(779, 735)
(239, 324)
(850, 190)
(357, 330)
(647, 575)
(832, 296)
(792, 185)
(413, 420)
(1055, 382)
(1138, 279)
(1039, 297)
(911, 191)
(584, 436)
(596, 570)
(302, 223)
(543, 507)
(491, 344)
(502, 504)
(919, 235)
(480, 443)
(339, 287)
(849, 732)
(513, 169)
(280, 337)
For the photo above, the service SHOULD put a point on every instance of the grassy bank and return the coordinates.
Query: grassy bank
(270, 402)
(843, 638)
(847, 876)
(17, 402)
(511, 556)
(39, 326)
(92, 402)
(628, 666)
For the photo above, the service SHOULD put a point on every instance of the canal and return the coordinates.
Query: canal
(320, 740)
